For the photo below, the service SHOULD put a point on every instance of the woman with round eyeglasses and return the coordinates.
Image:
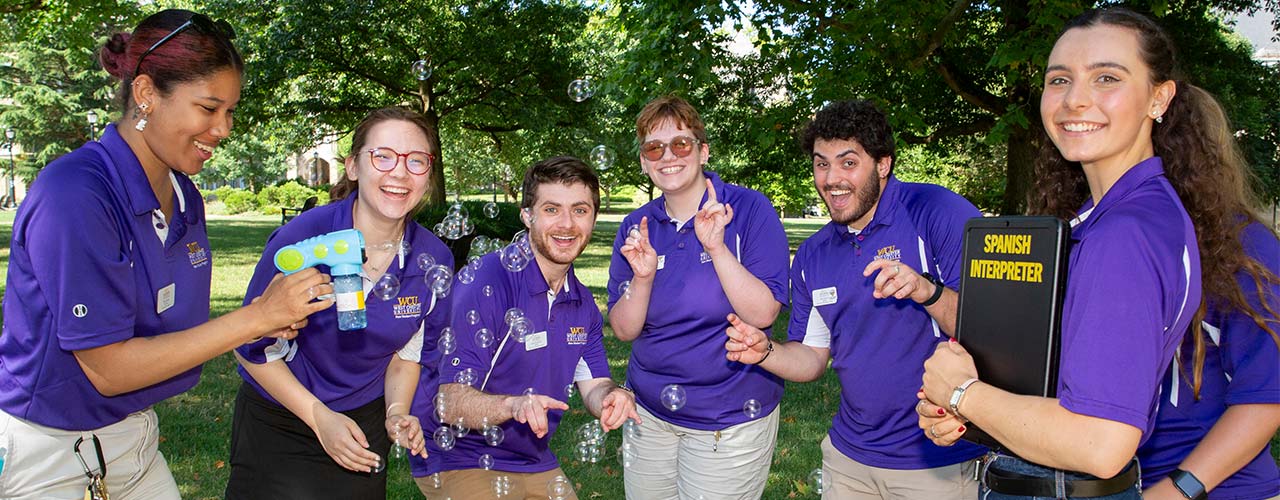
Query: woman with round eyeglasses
(682, 265)
(317, 416)
(106, 311)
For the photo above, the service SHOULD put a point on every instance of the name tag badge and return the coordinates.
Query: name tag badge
(535, 341)
(165, 297)
(662, 262)
(825, 296)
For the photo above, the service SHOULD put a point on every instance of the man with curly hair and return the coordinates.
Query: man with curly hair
(872, 292)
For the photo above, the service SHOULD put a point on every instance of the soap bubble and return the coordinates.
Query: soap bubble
(817, 483)
(513, 259)
(672, 397)
(458, 209)
(512, 315)
(501, 486)
(435, 481)
(559, 488)
(484, 338)
(479, 245)
(466, 275)
(444, 438)
(491, 210)
(426, 261)
(380, 466)
(439, 278)
(474, 262)
(439, 404)
(486, 461)
(387, 287)
(493, 435)
(569, 392)
(496, 245)
(582, 89)
(519, 329)
(602, 157)
(627, 455)
(751, 409)
(487, 291)
(591, 433)
(528, 391)
(447, 343)
(624, 289)
(405, 248)
(459, 429)
(631, 429)
(589, 452)
(634, 231)
(473, 317)
(421, 69)
(465, 377)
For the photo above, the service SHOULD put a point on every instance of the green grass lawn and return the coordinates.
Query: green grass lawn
(196, 426)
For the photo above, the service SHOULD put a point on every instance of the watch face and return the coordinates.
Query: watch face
(1188, 484)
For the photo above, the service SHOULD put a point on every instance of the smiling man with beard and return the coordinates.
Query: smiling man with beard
(514, 383)
(873, 292)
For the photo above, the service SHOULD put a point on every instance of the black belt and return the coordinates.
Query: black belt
(1013, 483)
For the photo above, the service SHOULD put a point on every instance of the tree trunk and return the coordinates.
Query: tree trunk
(1019, 167)
(435, 184)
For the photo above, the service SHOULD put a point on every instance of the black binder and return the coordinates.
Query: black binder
(1010, 305)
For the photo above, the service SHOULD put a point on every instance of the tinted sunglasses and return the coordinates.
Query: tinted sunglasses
(681, 147)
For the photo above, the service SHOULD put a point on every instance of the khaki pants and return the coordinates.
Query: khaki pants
(41, 464)
(478, 484)
(848, 479)
(677, 462)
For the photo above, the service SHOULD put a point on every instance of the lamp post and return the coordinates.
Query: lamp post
(92, 116)
(10, 201)
(315, 167)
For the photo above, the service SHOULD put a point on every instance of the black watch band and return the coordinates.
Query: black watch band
(937, 290)
(1189, 485)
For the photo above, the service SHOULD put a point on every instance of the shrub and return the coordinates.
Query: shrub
(239, 201)
(290, 194)
(503, 227)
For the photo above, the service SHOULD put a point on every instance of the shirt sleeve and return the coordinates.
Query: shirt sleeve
(1250, 354)
(1113, 327)
(82, 258)
(806, 325)
(594, 362)
(619, 268)
(763, 249)
(412, 350)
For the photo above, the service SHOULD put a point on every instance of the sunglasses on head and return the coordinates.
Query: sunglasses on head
(200, 22)
(680, 146)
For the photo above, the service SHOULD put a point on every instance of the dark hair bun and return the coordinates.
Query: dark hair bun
(113, 53)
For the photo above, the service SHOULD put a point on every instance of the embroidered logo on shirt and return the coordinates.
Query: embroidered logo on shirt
(407, 307)
(199, 256)
(577, 335)
(890, 252)
(704, 258)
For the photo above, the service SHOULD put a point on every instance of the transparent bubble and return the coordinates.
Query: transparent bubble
(591, 433)
(447, 343)
(473, 317)
(589, 452)
(380, 466)
(521, 240)
(384, 247)
(426, 261)
(474, 262)
(438, 229)
(626, 455)
(487, 291)
(444, 438)
(422, 69)
(405, 248)
(502, 486)
(496, 245)
(519, 329)
(387, 287)
(559, 488)
(484, 338)
(439, 278)
(466, 275)
(634, 231)
(631, 429)
(434, 481)
(479, 245)
(602, 157)
(569, 391)
(582, 89)
(493, 435)
(513, 259)
(817, 483)
(458, 209)
(440, 409)
(491, 210)
(624, 289)
(751, 409)
(528, 391)
(465, 377)
(397, 451)
(512, 315)
(467, 227)
(672, 397)
(486, 461)
(459, 429)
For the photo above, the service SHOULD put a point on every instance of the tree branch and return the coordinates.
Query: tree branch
(977, 126)
(971, 93)
(22, 7)
(943, 27)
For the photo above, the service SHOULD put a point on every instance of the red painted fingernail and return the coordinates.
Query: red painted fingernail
(941, 412)
(952, 340)
(961, 429)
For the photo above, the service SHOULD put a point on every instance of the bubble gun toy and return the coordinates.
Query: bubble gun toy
(343, 252)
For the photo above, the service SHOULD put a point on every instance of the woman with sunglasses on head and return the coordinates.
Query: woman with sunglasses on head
(681, 265)
(107, 303)
(1126, 138)
(316, 416)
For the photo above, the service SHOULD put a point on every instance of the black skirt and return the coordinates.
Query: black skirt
(274, 455)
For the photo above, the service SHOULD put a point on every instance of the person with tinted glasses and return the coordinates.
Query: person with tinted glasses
(106, 310)
(317, 416)
(682, 264)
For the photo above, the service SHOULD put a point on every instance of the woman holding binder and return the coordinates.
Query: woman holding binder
(1122, 130)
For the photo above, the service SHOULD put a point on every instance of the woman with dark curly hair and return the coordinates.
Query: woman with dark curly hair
(1122, 137)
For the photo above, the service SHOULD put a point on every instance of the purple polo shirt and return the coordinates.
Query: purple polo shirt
(346, 370)
(878, 346)
(1133, 284)
(1240, 367)
(86, 270)
(682, 341)
(574, 350)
